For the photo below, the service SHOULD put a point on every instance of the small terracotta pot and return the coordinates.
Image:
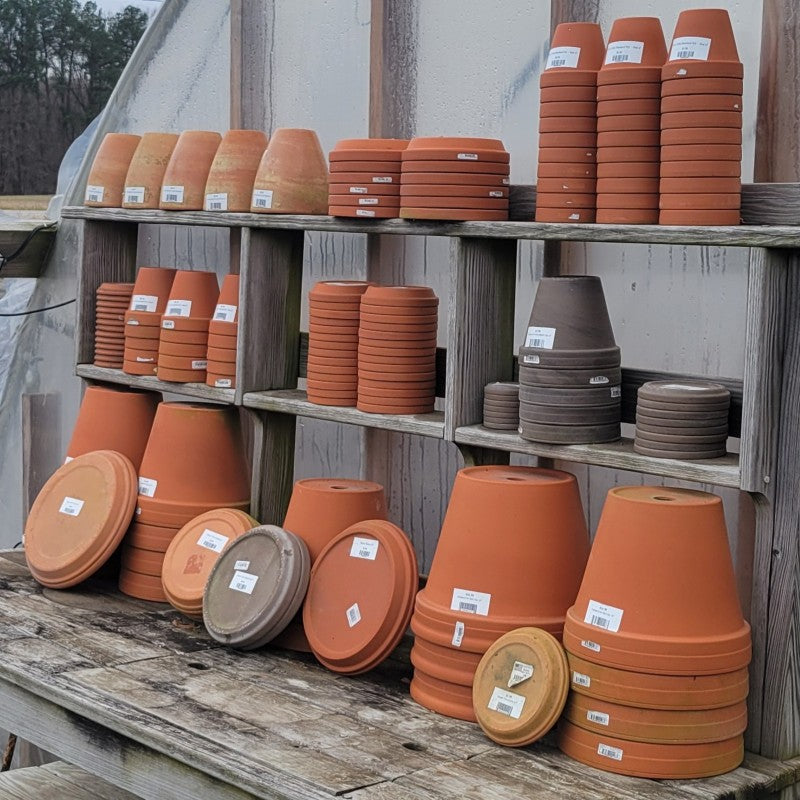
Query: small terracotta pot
(567, 124)
(184, 181)
(563, 169)
(701, 136)
(150, 291)
(620, 216)
(629, 91)
(702, 152)
(713, 24)
(586, 38)
(568, 94)
(146, 171)
(629, 139)
(576, 155)
(106, 180)
(635, 42)
(707, 201)
(609, 108)
(575, 215)
(230, 180)
(701, 119)
(193, 294)
(629, 122)
(690, 86)
(696, 217)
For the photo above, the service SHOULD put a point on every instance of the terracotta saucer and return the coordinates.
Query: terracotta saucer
(637, 169)
(332, 313)
(647, 202)
(450, 664)
(629, 122)
(223, 334)
(387, 351)
(565, 214)
(338, 291)
(324, 400)
(180, 375)
(453, 179)
(688, 70)
(629, 139)
(569, 155)
(358, 200)
(566, 185)
(701, 169)
(387, 189)
(145, 562)
(568, 125)
(360, 211)
(647, 90)
(607, 108)
(698, 136)
(142, 587)
(701, 119)
(609, 396)
(628, 186)
(372, 143)
(627, 154)
(335, 156)
(568, 109)
(184, 337)
(387, 365)
(569, 434)
(453, 190)
(332, 348)
(453, 154)
(568, 140)
(698, 217)
(149, 537)
(681, 455)
(701, 102)
(454, 214)
(564, 200)
(380, 392)
(645, 434)
(731, 201)
(481, 167)
(566, 170)
(421, 297)
(400, 410)
(688, 425)
(560, 415)
(378, 331)
(562, 94)
(702, 152)
(690, 86)
(371, 177)
(416, 382)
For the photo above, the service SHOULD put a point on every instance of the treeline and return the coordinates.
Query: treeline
(59, 61)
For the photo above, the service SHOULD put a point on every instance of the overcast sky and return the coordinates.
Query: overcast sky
(112, 6)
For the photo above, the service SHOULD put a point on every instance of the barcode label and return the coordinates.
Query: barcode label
(598, 717)
(71, 506)
(168, 324)
(590, 645)
(243, 582)
(624, 52)
(543, 338)
(134, 194)
(382, 179)
(506, 181)
(458, 634)
(530, 359)
(144, 360)
(225, 312)
(602, 616)
(172, 194)
(467, 156)
(607, 751)
(364, 212)
(599, 380)
(581, 680)
(616, 391)
(520, 672)
(508, 703)
(470, 602)
(262, 198)
(223, 383)
(178, 308)
(364, 548)
(148, 486)
(368, 201)
(563, 57)
(200, 364)
(217, 201)
(358, 190)
(353, 615)
(243, 565)
(496, 194)
(144, 302)
(690, 47)
(94, 194)
(212, 540)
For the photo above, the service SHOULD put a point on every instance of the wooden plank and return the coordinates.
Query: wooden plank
(57, 781)
(251, 64)
(273, 465)
(41, 443)
(31, 260)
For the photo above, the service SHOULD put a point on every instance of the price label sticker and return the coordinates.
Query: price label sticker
(178, 308)
(94, 194)
(609, 618)
(520, 672)
(212, 540)
(358, 190)
(695, 48)
(590, 645)
(458, 634)
(223, 383)
(71, 506)
(144, 360)
(579, 679)
(470, 602)
(364, 548)
(599, 380)
(382, 179)
(148, 486)
(607, 751)
(368, 201)
(496, 194)
(172, 194)
(598, 717)
(616, 391)
(353, 615)
(365, 212)
(542, 338)
(244, 565)
(144, 302)
(623, 52)
(262, 198)
(563, 57)
(467, 156)
(199, 364)
(225, 312)
(243, 582)
(508, 703)
(134, 195)
(217, 201)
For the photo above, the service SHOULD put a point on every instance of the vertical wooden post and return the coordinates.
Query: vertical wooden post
(41, 444)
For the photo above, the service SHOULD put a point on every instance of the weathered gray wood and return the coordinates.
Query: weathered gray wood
(251, 64)
(31, 260)
(521, 203)
(770, 203)
(41, 443)
(273, 465)
(57, 781)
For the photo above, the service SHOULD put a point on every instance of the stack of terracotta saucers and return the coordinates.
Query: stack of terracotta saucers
(143, 319)
(109, 332)
(332, 370)
(480, 585)
(365, 178)
(659, 690)
(397, 350)
(569, 367)
(183, 342)
(501, 406)
(682, 419)
(223, 333)
(701, 123)
(194, 462)
(566, 185)
(455, 178)
(628, 122)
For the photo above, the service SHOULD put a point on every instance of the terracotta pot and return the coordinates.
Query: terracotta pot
(628, 186)
(567, 109)
(702, 102)
(556, 78)
(701, 119)
(568, 140)
(106, 180)
(378, 201)
(563, 94)
(567, 124)
(194, 294)
(150, 292)
(689, 86)
(630, 91)
(635, 169)
(184, 182)
(226, 340)
(576, 155)
(184, 337)
(142, 587)
(629, 139)
(626, 216)
(466, 167)
(634, 42)
(700, 185)
(577, 215)
(227, 308)
(447, 190)
(564, 200)
(689, 70)
(392, 145)
(702, 152)
(224, 368)
(575, 46)
(230, 180)
(628, 201)
(145, 562)
(696, 217)
(701, 136)
(180, 375)
(609, 108)
(449, 664)
(449, 699)
(365, 188)
(146, 171)
(628, 122)
(562, 170)
(460, 148)
(701, 201)
(714, 26)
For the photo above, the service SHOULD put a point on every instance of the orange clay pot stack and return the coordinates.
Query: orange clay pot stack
(194, 462)
(230, 181)
(397, 350)
(657, 645)
(628, 122)
(106, 179)
(454, 178)
(183, 340)
(567, 175)
(184, 182)
(146, 171)
(223, 334)
(109, 332)
(526, 573)
(143, 319)
(365, 178)
(332, 369)
(701, 123)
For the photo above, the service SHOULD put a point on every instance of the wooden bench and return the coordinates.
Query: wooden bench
(57, 781)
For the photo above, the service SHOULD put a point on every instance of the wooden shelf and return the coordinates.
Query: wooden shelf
(199, 390)
(617, 455)
(726, 236)
(294, 401)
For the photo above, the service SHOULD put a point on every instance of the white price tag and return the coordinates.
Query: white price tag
(262, 198)
(168, 324)
(563, 57)
(225, 312)
(382, 179)
(590, 645)
(458, 634)
(542, 338)
(616, 391)
(172, 194)
(506, 181)
(581, 680)
(178, 308)
(147, 487)
(467, 156)
(602, 616)
(358, 190)
(71, 506)
(365, 212)
(199, 364)
(364, 548)
(470, 602)
(598, 717)
(212, 540)
(507, 703)
(134, 194)
(353, 615)
(223, 383)
(530, 359)
(368, 201)
(67, 459)
(217, 201)
(144, 360)
(520, 672)
(245, 565)
(144, 302)
(496, 194)
(695, 48)
(243, 582)
(624, 53)
(599, 380)
(607, 751)
(94, 194)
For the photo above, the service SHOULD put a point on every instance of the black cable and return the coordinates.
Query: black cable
(25, 242)
(39, 310)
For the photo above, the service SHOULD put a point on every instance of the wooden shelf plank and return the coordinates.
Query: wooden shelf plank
(618, 455)
(294, 401)
(199, 390)
(31, 260)
(722, 236)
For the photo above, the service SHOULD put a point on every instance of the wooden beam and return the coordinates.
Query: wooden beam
(41, 443)
(31, 260)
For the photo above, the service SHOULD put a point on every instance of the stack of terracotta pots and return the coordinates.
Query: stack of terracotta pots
(365, 178)
(183, 186)
(567, 175)
(701, 123)
(194, 462)
(292, 176)
(332, 369)
(455, 178)
(223, 334)
(183, 341)
(628, 122)
(657, 645)
(143, 319)
(527, 572)
(109, 332)
(230, 180)
(569, 367)
(501, 406)
(682, 419)
(104, 186)
(397, 350)
(147, 168)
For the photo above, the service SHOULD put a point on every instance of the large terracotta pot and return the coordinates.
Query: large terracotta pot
(194, 295)
(230, 182)
(110, 166)
(184, 181)
(146, 171)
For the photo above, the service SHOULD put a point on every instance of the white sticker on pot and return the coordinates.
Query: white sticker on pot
(223, 383)
(364, 548)
(365, 212)
(168, 324)
(598, 380)
(624, 53)
(563, 57)
(581, 680)
(244, 565)
(382, 179)
(542, 338)
(353, 615)
(458, 634)
(71, 506)
(497, 193)
(368, 201)
(607, 751)
(506, 181)
(178, 308)
(148, 486)
(172, 194)
(520, 672)
(467, 156)
(262, 198)
(690, 47)
(212, 540)
(217, 201)
(94, 194)
(508, 703)
(134, 194)
(200, 364)
(225, 312)
(144, 302)
(67, 459)
(602, 616)
(470, 602)
(616, 391)
(358, 190)
(598, 717)
(144, 360)
(530, 359)
(243, 582)
(590, 645)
